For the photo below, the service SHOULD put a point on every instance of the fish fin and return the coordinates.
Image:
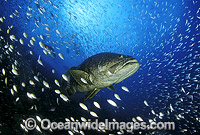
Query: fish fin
(68, 71)
(78, 74)
(91, 94)
(111, 88)
(70, 91)
(65, 85)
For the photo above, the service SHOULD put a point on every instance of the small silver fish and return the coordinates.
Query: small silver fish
(112, 103)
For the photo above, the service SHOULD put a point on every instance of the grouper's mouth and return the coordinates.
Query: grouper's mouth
(130, 62)
(134, 64)
(130, 67)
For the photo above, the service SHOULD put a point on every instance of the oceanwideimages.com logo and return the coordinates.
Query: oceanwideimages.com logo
(46, 124)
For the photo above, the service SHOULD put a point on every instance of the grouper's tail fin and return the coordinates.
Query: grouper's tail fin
(66, 84)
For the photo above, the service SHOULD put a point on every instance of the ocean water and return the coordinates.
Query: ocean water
(41, 39)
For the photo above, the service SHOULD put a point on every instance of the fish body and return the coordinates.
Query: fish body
(99, 71)
(50, 50)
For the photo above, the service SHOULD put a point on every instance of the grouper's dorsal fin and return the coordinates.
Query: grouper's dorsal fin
(66, 83)
(80, 76)
(91, 94)
(68, 71)
(111, 88)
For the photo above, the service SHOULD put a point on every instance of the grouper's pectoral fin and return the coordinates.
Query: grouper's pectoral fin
(80, 76)
(91, 94)
(111, 88)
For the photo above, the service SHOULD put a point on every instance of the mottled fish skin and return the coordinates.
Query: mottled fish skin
(102, 70)
(99, 65)
(164, 35)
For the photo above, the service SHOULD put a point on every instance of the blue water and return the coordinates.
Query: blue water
(162, 35)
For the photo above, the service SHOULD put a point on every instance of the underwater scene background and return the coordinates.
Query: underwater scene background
(41, 39)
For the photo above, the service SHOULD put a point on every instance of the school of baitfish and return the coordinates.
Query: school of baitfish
(21, 73)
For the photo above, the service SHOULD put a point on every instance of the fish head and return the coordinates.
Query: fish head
(123, 67)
